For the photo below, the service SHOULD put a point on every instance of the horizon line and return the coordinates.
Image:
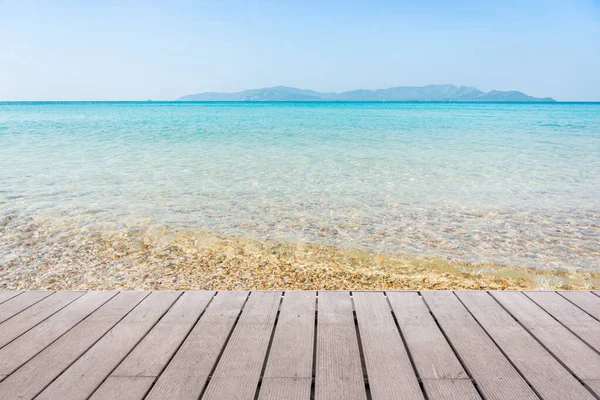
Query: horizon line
(299, 101)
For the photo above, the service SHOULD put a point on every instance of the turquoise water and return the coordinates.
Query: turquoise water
(515, 184)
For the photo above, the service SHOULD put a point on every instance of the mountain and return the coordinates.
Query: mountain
(401, 93)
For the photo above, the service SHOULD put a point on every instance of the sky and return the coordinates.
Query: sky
(161, 50)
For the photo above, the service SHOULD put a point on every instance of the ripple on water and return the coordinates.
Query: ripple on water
(503, 183)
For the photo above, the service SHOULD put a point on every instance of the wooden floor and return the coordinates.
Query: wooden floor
(299, 345)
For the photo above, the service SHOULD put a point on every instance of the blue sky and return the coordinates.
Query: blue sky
(138, 50)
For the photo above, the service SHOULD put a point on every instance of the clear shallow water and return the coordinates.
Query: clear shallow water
(514, 184)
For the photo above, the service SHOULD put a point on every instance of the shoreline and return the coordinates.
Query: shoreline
(185, 259)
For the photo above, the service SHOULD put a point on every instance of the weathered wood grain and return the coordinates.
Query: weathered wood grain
(124, 388)
(578, 357)
(15, 305)
(7, 295)
(339, 372)
(235, 345)
(593, 385)
(585, 300)
(441, 373)
(547, 376)
(154, 352)
(390, 372)
(571, 316)
(288, 373)
(35, 314)
(37, 373)
(26, 346)
(495, 376)
(238, 371)
(186, 375)
(450, 389)
(82, 378)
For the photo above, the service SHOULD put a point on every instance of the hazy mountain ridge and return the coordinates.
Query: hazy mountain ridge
(401, 93)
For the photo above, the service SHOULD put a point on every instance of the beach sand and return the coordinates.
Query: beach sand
(38, 256)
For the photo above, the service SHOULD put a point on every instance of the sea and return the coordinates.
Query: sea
(507, 183)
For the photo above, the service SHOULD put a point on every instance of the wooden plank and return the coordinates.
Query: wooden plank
(571, 316)
(495, 376)
(547, 376)
(124, 388)
(7, 295)
(594, 385)
(238, 370)
(82, 378)
(288, 374)
(12, 307)
(187, 373)
(578, 357)
(35, 314)
(19, 351)
(153, 353)
(450, 389)
(441, 373)
(61, 334)
(37, 373)
(390, 372)
(339, 372)
(584, 300)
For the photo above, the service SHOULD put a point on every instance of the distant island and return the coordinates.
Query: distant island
(401, 93)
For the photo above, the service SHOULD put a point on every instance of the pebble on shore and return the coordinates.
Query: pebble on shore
(165, 258)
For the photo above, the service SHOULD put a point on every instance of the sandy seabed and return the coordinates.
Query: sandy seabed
(39, 256)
